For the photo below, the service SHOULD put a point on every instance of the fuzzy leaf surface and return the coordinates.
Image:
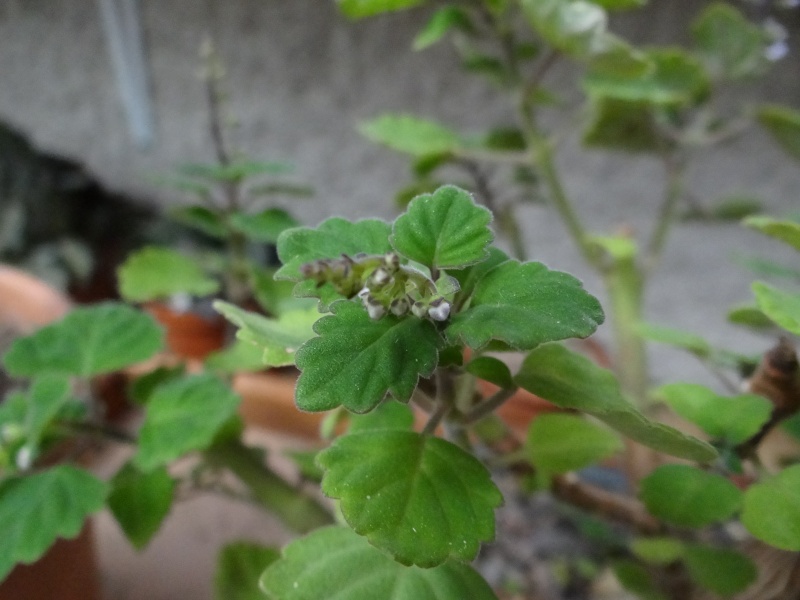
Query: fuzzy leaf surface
(782, 307)
(333, 563)
(239, 570)
(570, 380)
(525, 305)
(411, 135)
(37, 509)
(182, 416)
(89, 341)
(157, 273)
(418, 497)
(443, 230)
(772, 510)
(355, 361)
(686, 496)
(785, 231)
(140, 502)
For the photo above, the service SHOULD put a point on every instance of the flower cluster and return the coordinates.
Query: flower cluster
(383, 285)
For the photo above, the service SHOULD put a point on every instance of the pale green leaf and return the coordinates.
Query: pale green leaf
(576, 27)
(356, 361)
(658, 550)
(357, 9)
(783, 230)
(239, 570)
(420, 498)
(156, 273)
(411, 135)
(334, 563)
(89, 341)
(242, 357)
(772, 509)
(686, 496)
(675, 337)
(782, 307)
(443, 21)
(443, 230)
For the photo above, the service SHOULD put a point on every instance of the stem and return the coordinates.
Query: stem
(667, 212)
(297, 510)
(488, 406)
(436, 418)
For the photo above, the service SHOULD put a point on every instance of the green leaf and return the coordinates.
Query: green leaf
(575, 27)
(559, 443)
(410, 135)
(200, 218)
(358, 9)
(443, 230)
(783, 123)
(418, 497)
(493, 370)
(239, 570)
(388, 415)
(524, 305)
(620, 4)
(278, 339)
(658, 550)
(676, 79)
(156, 273)
(572, 381)
(782, 307)
(627, 125)
(675, 337)
(772, 510)
(731, 45)
(636, 579)
(356, 361)
(143, 387)
(239, 357)
(37, 509)
(265, 226)
(443, 20)
(733, 419)
(749, 316)
(783, 230)
(723, 571)
(140, 502)
(330, 239)
(235, 171)
(686, 496)
(182, 416)
(89, 341)
(45, 398)
(469, 278)
(353, 570)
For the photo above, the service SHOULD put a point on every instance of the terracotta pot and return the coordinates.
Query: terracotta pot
(27, 303)
(189, 335)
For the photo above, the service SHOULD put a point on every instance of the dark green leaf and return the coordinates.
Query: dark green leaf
(156, 273)
(735, 207)
(420, 498)
(749, 316)
(723, 571)
(525, 305)
(37, 509)
(410, 135)
(636, 579)
(570, 380)
(140, 502)
(559, 443)
(388, 415)
(686, 496)
(443, 230)
(443, 21)
(772, 509)
(352, 569)
(356, 361)
(627, 125)
(491, 369)
(265, 226)
(182, 416)
(239, 569)
(783, 230)
(469, 278)
(784, 125)
(733, 419)
(202, 219)
(89, 341)
(782, 307)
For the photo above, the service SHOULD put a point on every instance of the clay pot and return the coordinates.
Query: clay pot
(189, 335)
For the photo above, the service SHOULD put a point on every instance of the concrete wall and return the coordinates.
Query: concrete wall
(301, 77)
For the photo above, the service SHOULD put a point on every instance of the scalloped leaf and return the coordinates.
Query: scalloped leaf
(411, 135)
(420, 498)
(686, 496)
(278, 338)
(183, 415)
(782, 307)
(782, 230)
(733, 419)
(525, 305)
(570, 380)
(264, 226)
(88, 341)
(140, 502)
(559, 443)
(37, 509)
(443, 230)
(239, 570)
(335, 563)
(155, 273)
(772, 509)
(356, 361)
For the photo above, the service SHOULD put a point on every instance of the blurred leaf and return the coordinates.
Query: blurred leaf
(782, 307)
(492, 370)
(410, 135)
(420, 498)
(572, 381)
(637, 580)
(766, 267)
(559, 443)
(620, 4)
(735, 208)
(387, 415)
(275, 297)
(202, 219)
(238, 357)
(784, 125)
(685, 496)
(265, 226)
(355, 570)
(622, 125)
(442, 22)
(575, 27)
(792, 426)
(357, 9)
(723, 571)
(140, 502)
(782, 230)
(155, 273)
(239, 570)
(45, 398)
(749, 316)
(675, 337)
(235, 172)
(90, 340)
(294, 190)
(772, 509)
(142, 388)
(658, 550)
(505, 139)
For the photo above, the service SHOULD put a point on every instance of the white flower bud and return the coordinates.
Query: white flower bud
(399, 307)
(363, 293)
(24, 458)
(380, 277)
(376, 311)
(439, 310)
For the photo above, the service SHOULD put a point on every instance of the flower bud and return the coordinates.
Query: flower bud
(380, 277)
(439, 309)
(399, 307)
(418, 309)
(375, 311)
(24, 458)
